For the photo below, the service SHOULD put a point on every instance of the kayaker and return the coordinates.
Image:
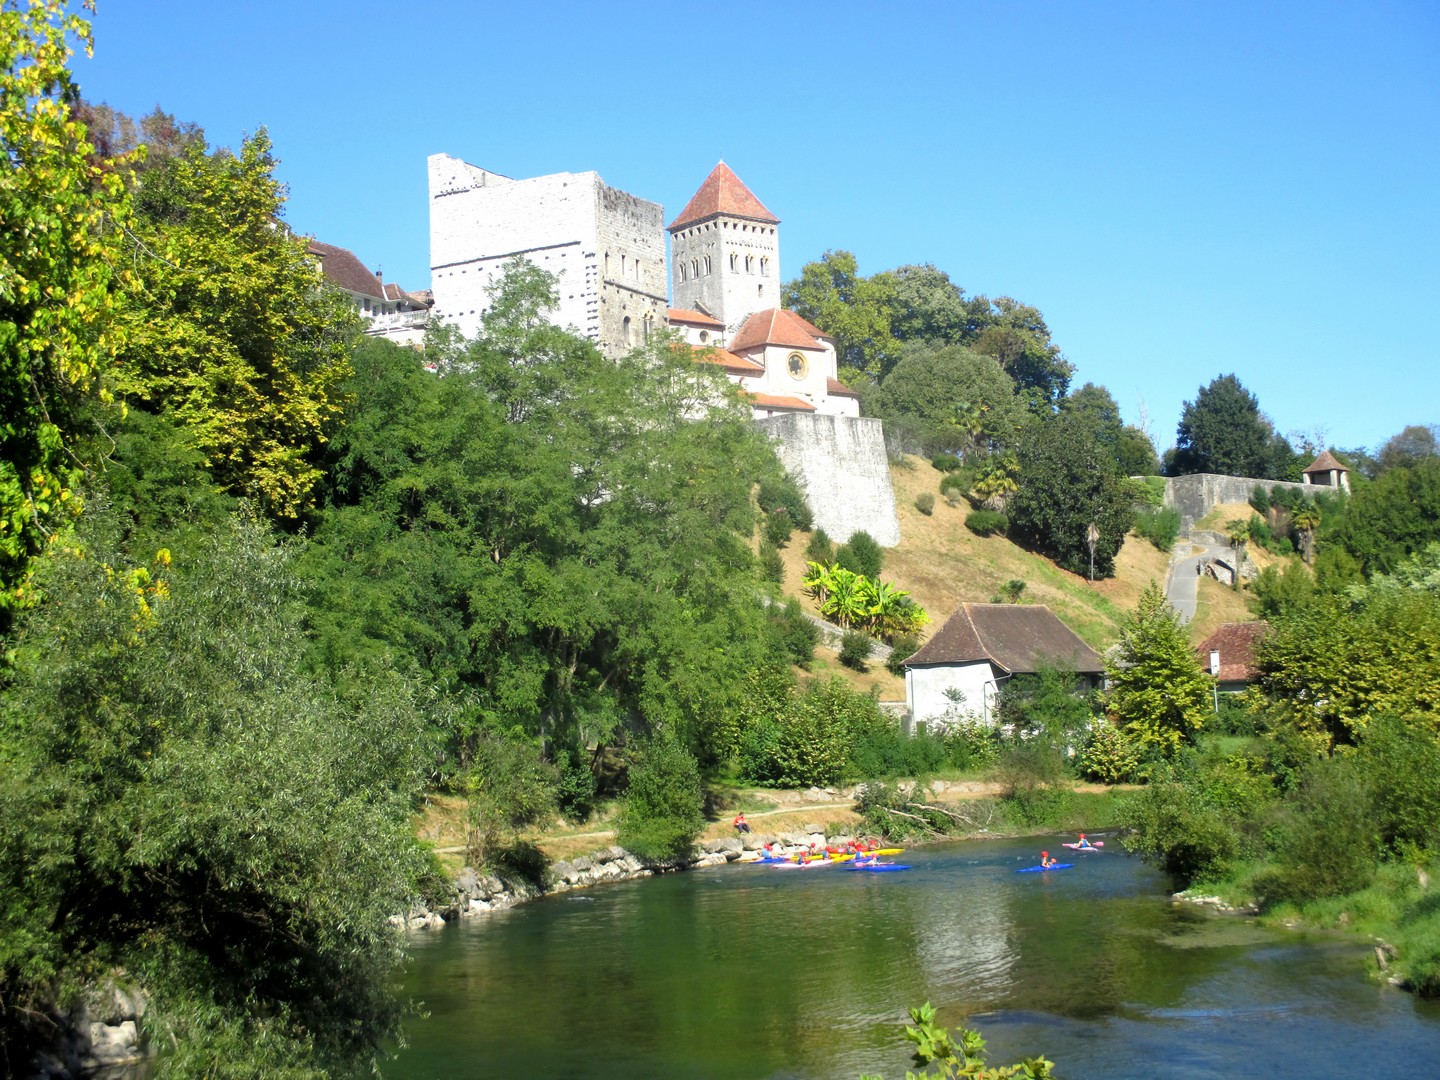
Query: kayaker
(1046, 861)
(741, 825)
(1084, 844)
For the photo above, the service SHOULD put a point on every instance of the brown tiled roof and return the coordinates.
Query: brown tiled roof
(836, 388)
(774, 327)
(733, 365)
(694, 318)
(779, 401)
(1236, 643)
(343, 268)
(1325, 463)
(723, 193)
(810, 328)
(1017, 638)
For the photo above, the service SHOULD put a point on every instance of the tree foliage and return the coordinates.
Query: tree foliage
(1067, 482)
(853, 310)
(1158, 692)
(229, 330)
(60, 217)
(1223, 431)
(1390, 518)
(929, 386)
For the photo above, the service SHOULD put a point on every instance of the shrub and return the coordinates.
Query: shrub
(925, 502)
(783, 493)
(901, 649)
(1173, 827)
(956, 484)
(946, 463)
(855, 649)
(986, 522)
(576, 787)
(1325, 845)
(798, 635)
(1260, 499)
(1009, 592)
(1160, 527)
(662, 812)
(1401, 761)
(820, 548)
(861, 555)
(772, 567)
(778, 527)
(509, 788)
(1108, 757)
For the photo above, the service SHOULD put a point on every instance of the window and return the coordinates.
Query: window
(704, 337)
(734, 260)
(695, 268)
(707, 264)
(625, 327)
(764, 265)
(749, 264)
(797, 364)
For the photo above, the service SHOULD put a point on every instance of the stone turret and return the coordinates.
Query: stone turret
(725, 252)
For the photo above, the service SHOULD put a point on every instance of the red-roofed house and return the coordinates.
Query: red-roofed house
(1326, 471)
(389, 311)
(1229, 654)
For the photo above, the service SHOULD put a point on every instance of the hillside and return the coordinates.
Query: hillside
(943, 564)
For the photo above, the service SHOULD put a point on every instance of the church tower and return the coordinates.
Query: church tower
(725, 252)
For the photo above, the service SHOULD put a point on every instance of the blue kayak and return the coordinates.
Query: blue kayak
(878, 868)
(1042, 869)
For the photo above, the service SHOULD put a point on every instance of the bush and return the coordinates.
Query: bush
(798, 635)
(1401, 761)
(778, 527)
(801, 740)
(1173, 827)
(772, 567)
(508, 787)
(901, 649)
(925, 502)
(1009, 592)
(576, 788)
(820, 548)
(1260, 499)
(1325, 845)
(986, 522)
(1160, 527)
(785, 494)
(861, 555)
(1108, 757)
(663, 808)
(855, 649)
(946, 463)
(957, 485)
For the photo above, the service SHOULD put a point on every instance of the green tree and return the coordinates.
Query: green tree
(1223, 431)
(1019, 339)
(663, 810)
(59, 227)
(853, 310)
(229, 331)
(929, 385)
(1413, 445)
(181, 800)
(1067, 483)
(1306, 520)
(1390, 518)
(1158, 692)
(1238, 533)
(1097, 405)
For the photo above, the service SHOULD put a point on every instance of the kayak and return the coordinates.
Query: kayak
(788, 865)
(878, 868)
(1042, 869)
(1086, 847)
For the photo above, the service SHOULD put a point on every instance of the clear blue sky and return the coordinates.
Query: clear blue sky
(1184, 189)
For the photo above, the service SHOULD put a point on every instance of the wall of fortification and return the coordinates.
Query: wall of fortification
(841, 466)
(630, 240)
(1196, 495)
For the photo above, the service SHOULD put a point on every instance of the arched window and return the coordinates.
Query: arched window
(764, 265)
(749, 264)
(625, 327)
(704, 337)
(707, 264)
(695, 267)
(734, 261)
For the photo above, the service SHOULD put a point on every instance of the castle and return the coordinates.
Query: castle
(606, 249)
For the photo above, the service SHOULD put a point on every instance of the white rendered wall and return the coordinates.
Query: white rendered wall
(925, 688)
(569, 224)
(730, 295)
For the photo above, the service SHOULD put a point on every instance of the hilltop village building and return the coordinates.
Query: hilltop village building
(606, 249)
(388, 310)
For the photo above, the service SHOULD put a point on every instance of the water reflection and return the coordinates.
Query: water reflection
(748, 972)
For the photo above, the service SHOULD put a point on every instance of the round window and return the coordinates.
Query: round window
(798, 366)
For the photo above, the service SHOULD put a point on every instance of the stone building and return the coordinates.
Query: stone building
(388, 310)
(606, 249)
(1326, 471)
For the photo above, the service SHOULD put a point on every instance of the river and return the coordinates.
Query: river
(749, 972)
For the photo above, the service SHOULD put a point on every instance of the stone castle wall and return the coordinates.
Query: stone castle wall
(630, 239)
(1196, 495)
(840, 464)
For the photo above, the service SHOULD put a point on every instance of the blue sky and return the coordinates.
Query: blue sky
(1183, 189)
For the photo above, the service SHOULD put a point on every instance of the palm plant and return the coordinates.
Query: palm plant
(1237, 532)
(1305, 520)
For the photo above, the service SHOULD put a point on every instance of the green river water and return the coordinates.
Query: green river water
(750, 972)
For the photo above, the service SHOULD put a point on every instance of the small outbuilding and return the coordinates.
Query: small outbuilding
(1229, 655)
(1326, 471)
(961, 668)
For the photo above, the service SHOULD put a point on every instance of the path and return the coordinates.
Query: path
(1181, 587)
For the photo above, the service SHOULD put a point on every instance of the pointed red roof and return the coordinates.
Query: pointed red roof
(775, 326)
(1326, 462)
(723, 193)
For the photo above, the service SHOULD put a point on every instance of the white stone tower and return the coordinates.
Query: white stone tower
(605, 247)
(725, 252)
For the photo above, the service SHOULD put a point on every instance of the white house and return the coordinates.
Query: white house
(388, 310)
(960, 670)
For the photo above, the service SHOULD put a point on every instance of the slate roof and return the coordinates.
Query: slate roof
(723, 193)
(1236, 643)
(694, 318)
(1325, 463)
(1017, 638)
(775, 327)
